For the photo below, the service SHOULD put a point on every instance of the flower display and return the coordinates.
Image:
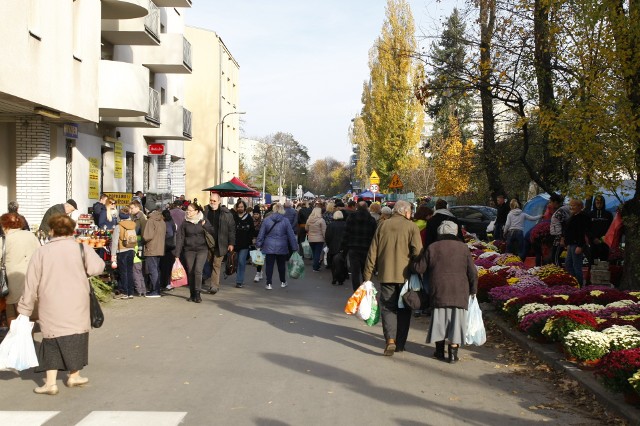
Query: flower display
(488, 281)
(622, 337)
(617, 367)
(531, 308)
(541, 233)
(546, 270)
(553, 280)
(533, 324)
(634, 381)
(560, 324)
(508, 259)
(512, 306)
(586, 344)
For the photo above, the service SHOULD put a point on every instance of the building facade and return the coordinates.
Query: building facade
(90, 86)
(212, 91)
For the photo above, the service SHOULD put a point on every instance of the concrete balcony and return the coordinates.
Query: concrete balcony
(173, 56)
(123, 90)
(173, 3)
(124, 9)
(138, 31)
(175, 124)
(150, 120)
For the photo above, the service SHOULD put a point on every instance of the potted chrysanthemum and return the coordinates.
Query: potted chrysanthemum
(616, 368)
(586, 345)
(559, 325)
(622, 337)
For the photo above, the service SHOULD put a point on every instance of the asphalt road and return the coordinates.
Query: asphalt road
(281, 357)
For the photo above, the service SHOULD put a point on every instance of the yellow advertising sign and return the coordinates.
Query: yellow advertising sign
(94, 178)
(117, 163)
(396, 183)
(121, 198)
(374, 178)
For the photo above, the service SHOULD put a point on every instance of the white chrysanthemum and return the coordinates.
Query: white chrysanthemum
(590, 337)
(622, 337)
(487, 254)
(591, 307)
(530, 308)
(496, 268)
(565, 308)
(621, 304)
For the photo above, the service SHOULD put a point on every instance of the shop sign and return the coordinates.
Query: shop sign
(94, 178)
(70, 130)
(156, 149)
(117, 161)
(121, 198)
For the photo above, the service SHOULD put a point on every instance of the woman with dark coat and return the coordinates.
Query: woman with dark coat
(192, 245)
(452, 277)
(276, 240)
(244, 238)
(167, 261)
(333, 238)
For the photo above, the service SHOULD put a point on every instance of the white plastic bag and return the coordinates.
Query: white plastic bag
(325, 254)
(367, 302)
(17, 351)
(257, 257)
(475, 326)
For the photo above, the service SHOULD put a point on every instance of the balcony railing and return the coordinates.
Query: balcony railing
(152, 21)
(153, 114)
(186, 123)
(186, 53)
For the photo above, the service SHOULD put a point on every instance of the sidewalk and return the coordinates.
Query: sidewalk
(548, 354)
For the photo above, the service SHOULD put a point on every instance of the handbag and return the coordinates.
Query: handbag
(231, 265)
(4, 284)
(414, 298)
(208, 238)
(95, 311)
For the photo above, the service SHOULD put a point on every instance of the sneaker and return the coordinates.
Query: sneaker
(268, 287)
(260, 275)
(153, 294)
(257, 277)
(239, 285)
(122, 297)
(130, 297)
(283, 285)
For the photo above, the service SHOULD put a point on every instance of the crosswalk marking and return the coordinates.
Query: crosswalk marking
(96, 418)
(133, 418)
(25, 418)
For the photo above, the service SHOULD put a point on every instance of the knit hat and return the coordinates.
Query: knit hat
(256, 209)
(72, 203)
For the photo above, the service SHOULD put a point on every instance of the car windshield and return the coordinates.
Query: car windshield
(489, 211)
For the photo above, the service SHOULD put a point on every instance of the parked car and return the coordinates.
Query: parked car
(475, 219)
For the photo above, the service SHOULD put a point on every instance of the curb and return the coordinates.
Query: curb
(549, 355)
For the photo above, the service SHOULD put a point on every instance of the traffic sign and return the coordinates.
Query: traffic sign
(374, 178)
(374, 188)
(396, 183)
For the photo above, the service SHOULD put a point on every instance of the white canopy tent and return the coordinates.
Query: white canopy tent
(308, 194)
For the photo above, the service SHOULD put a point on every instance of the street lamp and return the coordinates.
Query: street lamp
(222, 143)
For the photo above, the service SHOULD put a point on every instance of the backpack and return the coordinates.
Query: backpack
(128, 236)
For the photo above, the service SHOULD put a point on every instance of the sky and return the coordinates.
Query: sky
(303, 62)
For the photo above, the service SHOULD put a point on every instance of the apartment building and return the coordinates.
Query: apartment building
(91, 100)
(213, 156)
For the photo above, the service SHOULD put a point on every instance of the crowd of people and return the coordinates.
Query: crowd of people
(356, 240)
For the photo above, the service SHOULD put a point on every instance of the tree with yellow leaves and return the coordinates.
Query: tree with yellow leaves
(392, 115)
(453, 162)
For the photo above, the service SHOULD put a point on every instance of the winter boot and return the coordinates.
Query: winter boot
(439, 353)
(453, 354)
(197, 297)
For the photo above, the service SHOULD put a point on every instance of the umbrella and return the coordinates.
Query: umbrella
(233, 189)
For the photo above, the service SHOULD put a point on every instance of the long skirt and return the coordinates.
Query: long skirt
(65, 353)
(448, 324)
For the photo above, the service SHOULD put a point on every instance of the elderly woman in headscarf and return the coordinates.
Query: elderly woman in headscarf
(452, 277)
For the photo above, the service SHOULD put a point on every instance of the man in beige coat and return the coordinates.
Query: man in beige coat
(396, 242)
(153, 236)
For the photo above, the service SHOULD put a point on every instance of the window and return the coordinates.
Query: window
(69, 168)
(129, 172)
(163, 96)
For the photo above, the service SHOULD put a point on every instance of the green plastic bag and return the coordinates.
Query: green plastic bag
(296, 266)
(374, 318)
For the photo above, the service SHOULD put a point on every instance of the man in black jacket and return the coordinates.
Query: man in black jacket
(501, 218)
(225, 236)
(600, 221)
(439, 215)
(356, 241)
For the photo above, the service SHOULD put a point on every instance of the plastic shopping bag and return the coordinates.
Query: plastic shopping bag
(257, 257)
(306, 249)
(17, 351)
(374, 318)
(354, 301)
(475, 326)
(177, 271)
(325, 255)
(296, 266)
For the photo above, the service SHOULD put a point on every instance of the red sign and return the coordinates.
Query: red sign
(156, 149)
